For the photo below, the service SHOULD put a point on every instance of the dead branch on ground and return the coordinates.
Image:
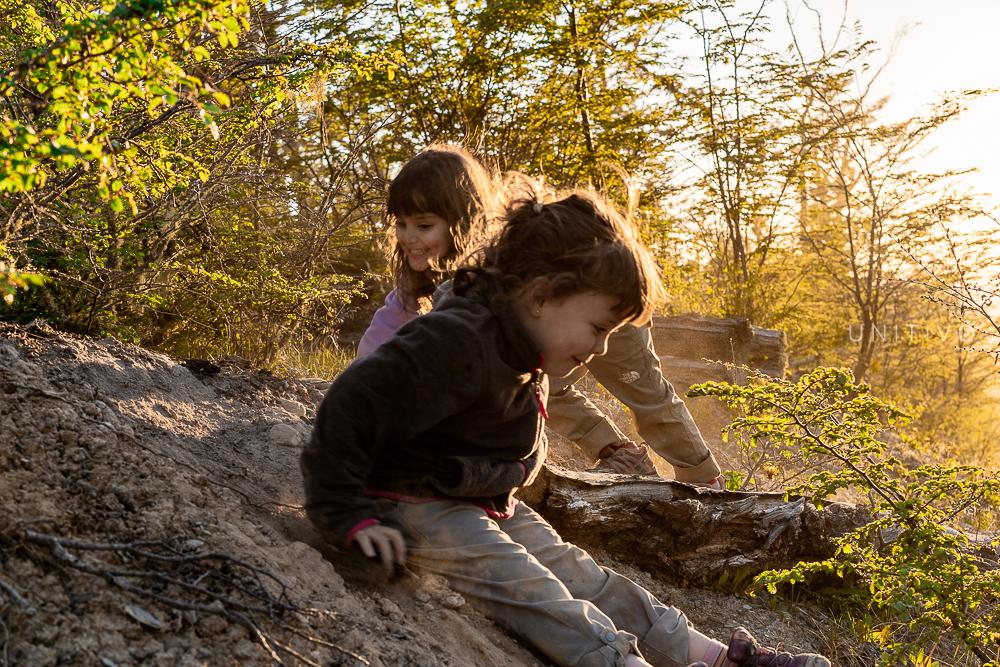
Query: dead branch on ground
(178, 576)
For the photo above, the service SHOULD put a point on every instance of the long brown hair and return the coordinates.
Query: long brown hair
(447, 181)
(576, 244)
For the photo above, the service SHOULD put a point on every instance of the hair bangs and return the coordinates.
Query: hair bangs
(414, 193)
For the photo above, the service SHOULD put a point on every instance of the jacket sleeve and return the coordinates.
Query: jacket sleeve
(392, 315)
(433, 368)
(483, 476)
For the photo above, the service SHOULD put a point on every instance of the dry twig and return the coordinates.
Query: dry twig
(186, 580)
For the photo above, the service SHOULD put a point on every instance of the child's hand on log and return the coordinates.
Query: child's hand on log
(627, 458)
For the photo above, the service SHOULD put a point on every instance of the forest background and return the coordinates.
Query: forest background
(206, 178)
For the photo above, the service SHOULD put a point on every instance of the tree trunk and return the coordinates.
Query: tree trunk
(581, 87)
(869, 327)
(693, 535)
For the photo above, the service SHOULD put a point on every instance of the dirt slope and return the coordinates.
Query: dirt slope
(152, 517)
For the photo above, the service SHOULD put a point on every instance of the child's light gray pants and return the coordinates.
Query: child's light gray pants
(522, 575)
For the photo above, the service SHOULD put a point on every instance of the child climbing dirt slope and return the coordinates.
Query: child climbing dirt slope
(103, 442)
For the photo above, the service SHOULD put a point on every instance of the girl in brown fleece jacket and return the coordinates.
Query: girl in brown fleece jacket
(418, 448)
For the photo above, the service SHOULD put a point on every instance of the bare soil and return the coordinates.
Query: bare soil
(152, 516)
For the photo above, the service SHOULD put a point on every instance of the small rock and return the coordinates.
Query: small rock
(389, 608)
(452, 601)
(144, 617)
(245, 649)
(285, 435)
(293, 408)
(193, 544)
(147, 650)
(317, 384)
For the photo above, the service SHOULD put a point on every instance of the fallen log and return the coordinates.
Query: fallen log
(692, 535)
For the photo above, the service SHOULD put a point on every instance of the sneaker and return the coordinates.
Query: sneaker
(745, 652)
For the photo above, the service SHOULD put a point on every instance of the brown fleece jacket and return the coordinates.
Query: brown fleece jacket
(448, 407)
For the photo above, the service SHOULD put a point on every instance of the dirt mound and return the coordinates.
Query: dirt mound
(152, 516)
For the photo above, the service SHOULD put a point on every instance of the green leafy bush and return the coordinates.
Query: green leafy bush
(926, 564)
(12, 280)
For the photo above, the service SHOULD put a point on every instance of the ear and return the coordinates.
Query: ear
(535, 294)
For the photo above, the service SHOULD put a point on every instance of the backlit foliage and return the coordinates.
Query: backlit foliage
(925, 564)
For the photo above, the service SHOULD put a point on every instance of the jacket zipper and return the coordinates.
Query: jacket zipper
(536, 384)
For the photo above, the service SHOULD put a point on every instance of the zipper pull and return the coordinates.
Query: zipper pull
(541, 403)
(537, 385)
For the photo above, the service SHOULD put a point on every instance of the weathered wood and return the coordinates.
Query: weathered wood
(688, 340)
(696, 348)
(690, 534)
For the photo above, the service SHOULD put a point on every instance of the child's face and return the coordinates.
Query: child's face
(571, 330)
(423, 238)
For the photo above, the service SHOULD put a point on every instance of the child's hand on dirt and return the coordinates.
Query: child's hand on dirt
(382, 542)
(627, 458)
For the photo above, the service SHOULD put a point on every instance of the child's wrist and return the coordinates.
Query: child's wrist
(357, 528)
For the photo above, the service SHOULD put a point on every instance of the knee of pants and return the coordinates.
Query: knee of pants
(617, 646)
(667, 643)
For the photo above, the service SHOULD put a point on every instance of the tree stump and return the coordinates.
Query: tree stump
(692, 535)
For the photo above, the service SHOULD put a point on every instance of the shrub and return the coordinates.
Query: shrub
(921, 568)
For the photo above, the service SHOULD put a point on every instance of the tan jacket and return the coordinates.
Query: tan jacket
(631, 372)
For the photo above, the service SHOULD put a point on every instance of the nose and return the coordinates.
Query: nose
(600, 345)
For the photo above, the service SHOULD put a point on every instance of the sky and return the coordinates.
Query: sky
(932, 46)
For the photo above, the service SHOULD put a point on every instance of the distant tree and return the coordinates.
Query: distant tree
(965, 280)
(863, 197)
(549, 88)
(745, 133)
(867, 215)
